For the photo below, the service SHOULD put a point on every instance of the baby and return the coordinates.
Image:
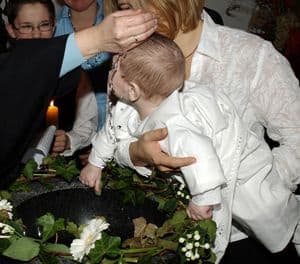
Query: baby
(233, 177)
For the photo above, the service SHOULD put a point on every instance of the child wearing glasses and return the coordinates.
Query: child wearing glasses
(28, 19)
(233, 177)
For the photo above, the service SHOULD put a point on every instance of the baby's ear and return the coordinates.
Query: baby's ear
(134, 92)
(10, 31)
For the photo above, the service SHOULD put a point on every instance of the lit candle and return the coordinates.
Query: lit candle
(52, 115)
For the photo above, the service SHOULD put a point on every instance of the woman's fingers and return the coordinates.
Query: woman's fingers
(147, 151)
(155, 135)
(123, 30)
(167, 163)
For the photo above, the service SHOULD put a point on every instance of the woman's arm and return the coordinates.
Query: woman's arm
(118, 32)
(281, 115)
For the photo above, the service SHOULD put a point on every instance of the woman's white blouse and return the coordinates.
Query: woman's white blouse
(260, 83)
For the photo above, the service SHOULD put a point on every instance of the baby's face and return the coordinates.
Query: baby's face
(117, 83)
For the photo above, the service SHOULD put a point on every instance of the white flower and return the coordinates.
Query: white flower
(189, 235)
(189, 246)
(181, 187)
(206, 246)
(6, 206)
(89, 235)
(178, 193)
(184, 249)
(197, 237)
(187, 197)
(197, 244)
(181, 240)
(189, 254)
(6, 230)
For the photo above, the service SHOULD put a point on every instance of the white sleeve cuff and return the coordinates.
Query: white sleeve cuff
(211, 197)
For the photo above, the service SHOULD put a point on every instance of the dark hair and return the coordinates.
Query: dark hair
(13, 8)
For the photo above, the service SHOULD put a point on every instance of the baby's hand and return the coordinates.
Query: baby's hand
(197, 212)
(91, 175)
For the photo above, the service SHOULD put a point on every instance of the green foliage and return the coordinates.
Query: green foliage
(23, 249)
(30, 167)
(50, 226)
(107, 246)
(162, 189)
(67, 170)
(5, 195)
(73, 229)
(4, 244)
(58, 166)
(135, 188)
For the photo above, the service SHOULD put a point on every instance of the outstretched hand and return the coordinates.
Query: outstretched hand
(146, 151)
(123, 30)
(118, 32)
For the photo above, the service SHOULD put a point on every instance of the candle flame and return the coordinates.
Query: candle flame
(52, 103)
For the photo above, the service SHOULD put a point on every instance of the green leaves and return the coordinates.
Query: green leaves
(29, 169)
(211, 227)
(67, 170)
(23, 249)
(50, 226)
(56, 249)
(107, 246)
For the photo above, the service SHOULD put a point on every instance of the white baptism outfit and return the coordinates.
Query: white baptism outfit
(260, 83)
(233, 169)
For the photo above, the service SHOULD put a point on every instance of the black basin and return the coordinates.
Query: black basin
(81, 205)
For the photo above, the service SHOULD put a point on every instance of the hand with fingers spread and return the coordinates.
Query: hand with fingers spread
(91, 175)
(197, 212)
(118, 32)
(147, 151)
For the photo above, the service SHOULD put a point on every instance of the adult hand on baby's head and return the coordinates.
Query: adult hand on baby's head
(197, 212)
(61, 142)
(123, 30)
(147, 152)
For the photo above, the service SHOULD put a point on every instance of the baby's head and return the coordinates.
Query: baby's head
(30, 19)
(156, 66)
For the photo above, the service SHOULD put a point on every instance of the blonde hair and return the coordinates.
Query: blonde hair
(156, 66)
(174, 15)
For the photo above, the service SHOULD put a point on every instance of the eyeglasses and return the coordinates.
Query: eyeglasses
(29, 28)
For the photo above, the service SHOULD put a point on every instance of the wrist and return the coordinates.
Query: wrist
(88, 41)
(133, 153)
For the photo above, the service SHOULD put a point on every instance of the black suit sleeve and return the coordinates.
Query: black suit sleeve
(29, 78)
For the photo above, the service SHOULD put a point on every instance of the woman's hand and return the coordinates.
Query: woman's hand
(118, 32)
(146, 151)
(123, 30)
(61, 142)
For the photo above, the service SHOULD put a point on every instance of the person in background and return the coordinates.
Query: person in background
(258, 80)
(77, 15)
(30, 79)
(41, 12)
